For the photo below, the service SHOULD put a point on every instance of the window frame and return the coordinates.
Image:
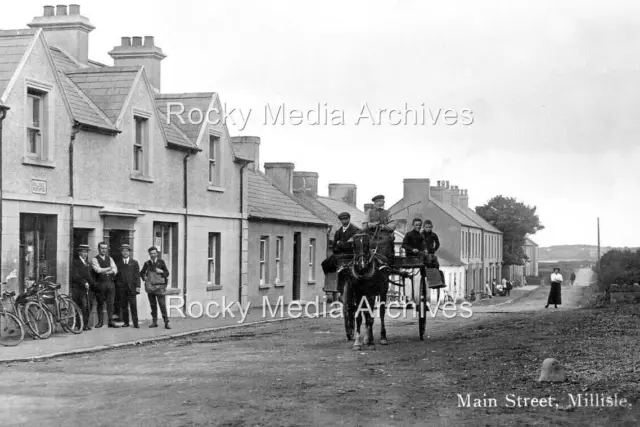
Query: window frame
(264, 260)
(44, 92)
(213, 258)
(278, 259)
(312, 260)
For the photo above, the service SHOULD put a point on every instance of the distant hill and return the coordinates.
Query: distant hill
(573, 252)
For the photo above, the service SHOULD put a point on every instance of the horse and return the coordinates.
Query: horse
(366, 280)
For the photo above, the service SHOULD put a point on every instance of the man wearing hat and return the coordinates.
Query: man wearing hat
(128, 285)
(379, 218)
(82, 283)
(342, 242)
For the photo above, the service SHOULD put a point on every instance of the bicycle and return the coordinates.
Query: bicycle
(59, 307)
(11, 327)
(30, 313)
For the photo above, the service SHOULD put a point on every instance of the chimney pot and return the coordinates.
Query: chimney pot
(439, 182)
(149, 41)
(61, 9)
(126, 41)
(74, 9)
(49, 11)
(137, 41)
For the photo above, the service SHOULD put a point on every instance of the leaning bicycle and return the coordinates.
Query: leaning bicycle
(11, 327)
(32, 314)
(60, 308)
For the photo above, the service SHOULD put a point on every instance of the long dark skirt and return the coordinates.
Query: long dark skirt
(555, 296)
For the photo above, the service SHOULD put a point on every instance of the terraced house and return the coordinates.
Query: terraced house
(88, 155)
(466, 238)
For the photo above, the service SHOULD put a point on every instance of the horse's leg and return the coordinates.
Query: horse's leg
(383, 308)
(359, 341)
(369, 318)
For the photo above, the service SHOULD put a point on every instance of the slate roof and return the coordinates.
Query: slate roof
(450, 210)
(175, 135)
(268, 201)
(82, 108)
(320, 210)
(62, 61)
(475, 217)
(338, 206)
(13, 46)
(200, 101)
(107, 87)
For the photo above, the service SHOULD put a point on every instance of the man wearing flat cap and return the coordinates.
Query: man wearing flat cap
(82, 283)
(379, 218)
(342, 242)
(128, 285)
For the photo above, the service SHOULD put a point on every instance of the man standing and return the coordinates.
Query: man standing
(155, 274)
(128, 285)
(105, 270)
(82, 284)
(380, 225)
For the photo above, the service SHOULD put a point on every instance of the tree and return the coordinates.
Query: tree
(516, 220)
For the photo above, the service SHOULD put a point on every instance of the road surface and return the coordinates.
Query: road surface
(300, 373)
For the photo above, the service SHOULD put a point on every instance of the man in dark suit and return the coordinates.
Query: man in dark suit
(342, 242)
(82, 283)
(157, 297)
(128, 285)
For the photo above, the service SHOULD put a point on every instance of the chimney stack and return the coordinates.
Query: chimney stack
(455, 196)
(343, 192)
(446, 193)
(249, 146)
(416, 189)
(306, 182)
(464, 199)
(281, 174)
(69, 32)
(134, 52)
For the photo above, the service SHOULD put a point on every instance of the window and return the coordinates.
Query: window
(37, 124)
(279, 248)
(213, 149)
(264, 256)
(142, 127)
(312, 260)
(213, 275)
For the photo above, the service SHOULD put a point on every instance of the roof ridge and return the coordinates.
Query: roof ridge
(107, 69)
(189, 94)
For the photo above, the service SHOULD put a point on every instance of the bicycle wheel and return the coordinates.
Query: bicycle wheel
(11, 330)
(70, 316)
(37, 320)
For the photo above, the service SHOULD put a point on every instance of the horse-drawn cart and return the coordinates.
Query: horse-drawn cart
(400, 272)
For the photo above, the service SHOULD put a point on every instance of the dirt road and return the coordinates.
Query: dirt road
(304, 373)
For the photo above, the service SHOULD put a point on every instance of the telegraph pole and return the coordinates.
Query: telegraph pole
(599, 266)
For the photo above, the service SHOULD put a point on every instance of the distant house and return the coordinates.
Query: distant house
(530, 267)
(287, 240)
(461, 230)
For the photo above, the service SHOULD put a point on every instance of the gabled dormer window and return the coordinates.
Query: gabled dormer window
(38, 124)
(140, 146)
(214, 172)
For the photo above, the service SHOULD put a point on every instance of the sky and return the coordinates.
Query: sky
(547, 93)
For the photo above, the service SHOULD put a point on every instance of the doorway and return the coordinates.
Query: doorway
(297, 255)
(117, 238)
(165, 239)
(38, 248)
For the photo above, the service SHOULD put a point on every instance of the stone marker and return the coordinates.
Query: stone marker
(552, 371)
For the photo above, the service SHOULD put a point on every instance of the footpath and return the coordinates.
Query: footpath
(105, 338)
(515, 295)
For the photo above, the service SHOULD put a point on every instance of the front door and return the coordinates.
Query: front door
(297, 256)
(165, 239)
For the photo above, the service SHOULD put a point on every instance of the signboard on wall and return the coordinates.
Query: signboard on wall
(38, 186)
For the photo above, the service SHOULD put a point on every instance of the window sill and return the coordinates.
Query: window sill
(215, 189)
(279, 285)
(264, 287)
(214, 287)
(138, 177)
(311, 282)
(172, 291)
(32, 161)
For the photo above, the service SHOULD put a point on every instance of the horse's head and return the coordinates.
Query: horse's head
(363, 264)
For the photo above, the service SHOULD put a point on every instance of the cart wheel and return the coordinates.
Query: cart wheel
(422, 306)
(347, 311)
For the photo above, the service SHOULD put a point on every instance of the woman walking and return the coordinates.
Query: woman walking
(555, 296)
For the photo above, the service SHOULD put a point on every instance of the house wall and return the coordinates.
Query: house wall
(308, 289)
(102, 180)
